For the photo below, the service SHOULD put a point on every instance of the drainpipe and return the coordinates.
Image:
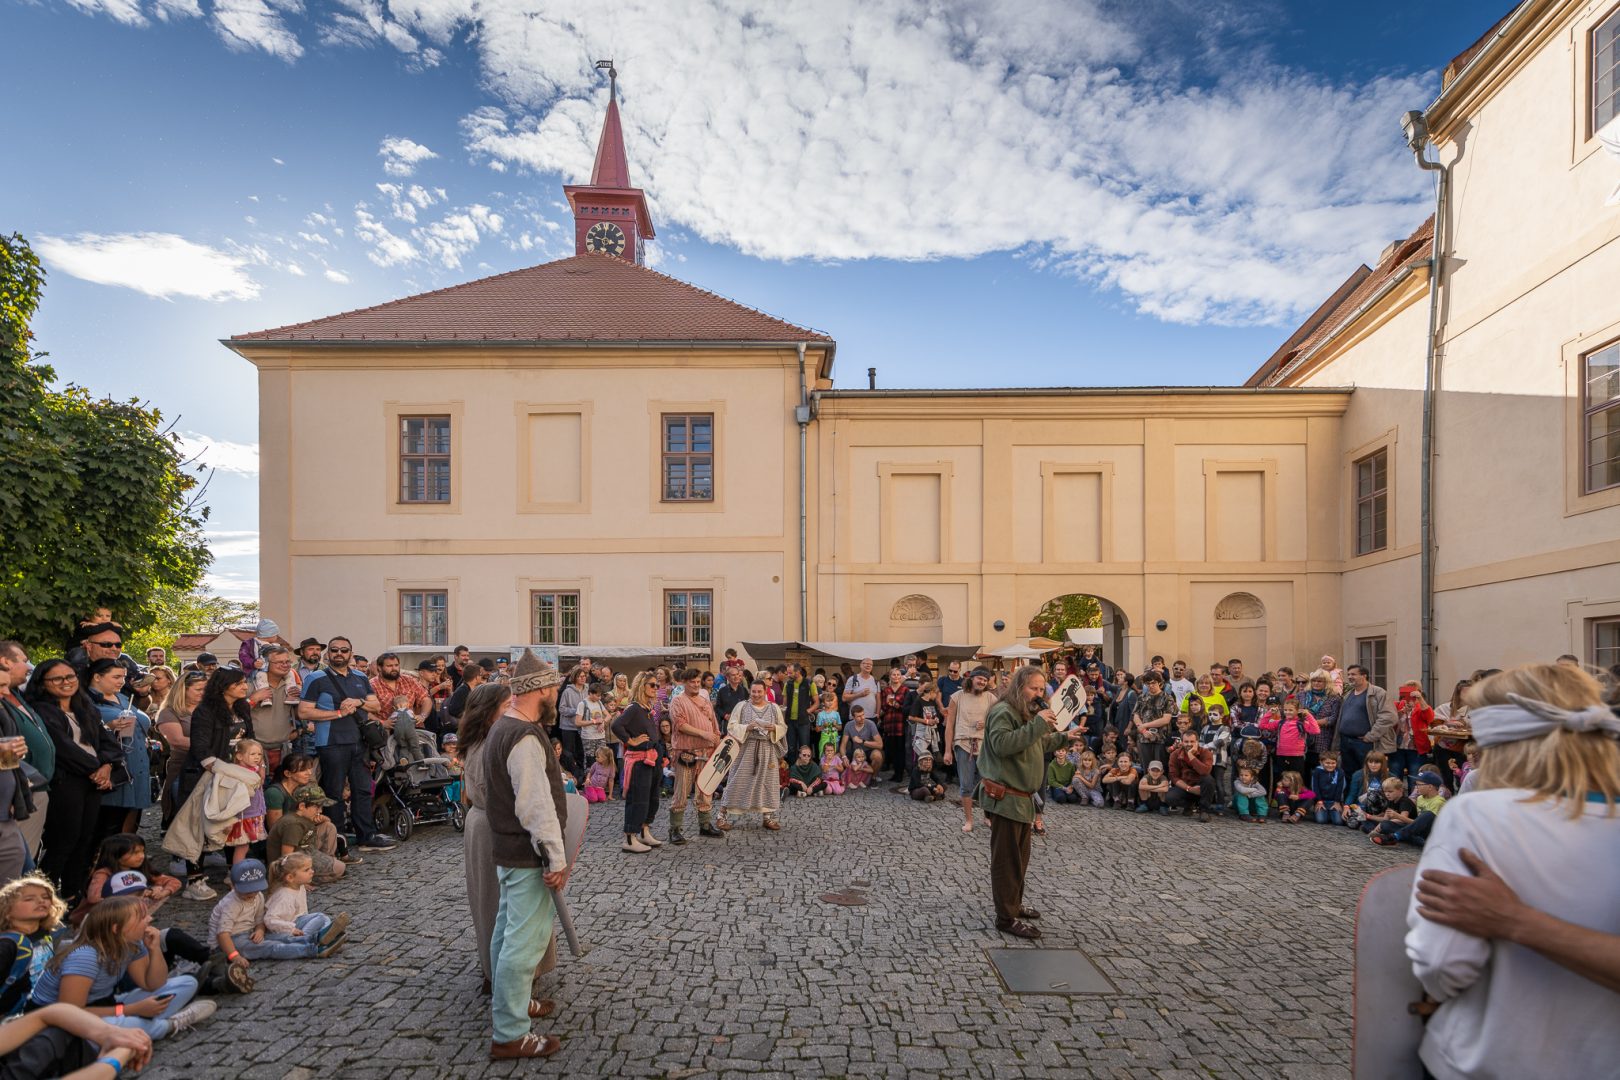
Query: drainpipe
(1417, 135)
(802, 415)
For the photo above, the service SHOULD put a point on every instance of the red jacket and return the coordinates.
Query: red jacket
(1190, 768)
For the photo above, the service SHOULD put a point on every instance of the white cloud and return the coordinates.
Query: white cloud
(227, 457)
(257, 24)
(404, 201)
(401, 156)
(231, 586)
(337, 276)
(457, 233)
(278, 161)
(127, 12)
(232, 543)
(295, 270)
(158, 264)
(387, 248)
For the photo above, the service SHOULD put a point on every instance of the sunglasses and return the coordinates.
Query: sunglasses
(106, 644)
(335, 649)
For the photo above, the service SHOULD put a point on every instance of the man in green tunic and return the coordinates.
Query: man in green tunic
(1018, 734)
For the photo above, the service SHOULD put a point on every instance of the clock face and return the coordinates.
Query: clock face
(605, 238)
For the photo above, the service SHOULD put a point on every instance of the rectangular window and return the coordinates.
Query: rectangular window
(554, 618)
(1372, 653)
(424, 617)
(689, 620)
(1605, 648)
(1600, 422)
(424, 459)
(1606, 71)
(688, 457)
(1372, 502)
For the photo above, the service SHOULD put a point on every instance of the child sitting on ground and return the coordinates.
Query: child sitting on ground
(832, 770)
(407, 738)
(600, 776)
(1329, 785)
(1292, 798)
(1152, 789)
(287, 918)
(1119, 783)
(296, 832)
(123, 851)
(1399, 810)
(924, 787)
(249, 825)
(1429, 800)
(804, 776)
(1250, 795)
(1367, 791)
(1086, 786)
(1059, 773)
(31, 914)
(860, 770)
(237, 923)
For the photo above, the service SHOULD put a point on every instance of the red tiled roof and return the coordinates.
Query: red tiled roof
(586, 298)
(1327, 320)
(189, 642)
(1461, 60)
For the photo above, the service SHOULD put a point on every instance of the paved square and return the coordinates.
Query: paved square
(1228, 946)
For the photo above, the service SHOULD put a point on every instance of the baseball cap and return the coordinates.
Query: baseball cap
(1155, 765)
(1428, 776)
(207, 658)
(249, 876)
(124, 883)
(312, 793)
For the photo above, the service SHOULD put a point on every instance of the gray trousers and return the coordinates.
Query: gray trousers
(13, 850)
(33, 829)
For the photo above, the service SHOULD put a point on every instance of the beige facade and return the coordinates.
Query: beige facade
(1526, 547)
(1272, 523)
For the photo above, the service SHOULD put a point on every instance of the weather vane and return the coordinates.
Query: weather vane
(613, 76)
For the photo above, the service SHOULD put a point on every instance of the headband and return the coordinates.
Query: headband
(1528, 718)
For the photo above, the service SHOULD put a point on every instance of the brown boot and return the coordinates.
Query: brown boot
(529, 1046)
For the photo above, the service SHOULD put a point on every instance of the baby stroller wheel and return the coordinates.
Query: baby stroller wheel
(458, 816)
(404, 821)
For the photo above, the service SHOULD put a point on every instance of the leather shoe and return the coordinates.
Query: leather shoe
(1028, 913)
(1020, 928)
(772, 824)
(677, 839)
(710, 830)
(529, 1046)
(540, 1008)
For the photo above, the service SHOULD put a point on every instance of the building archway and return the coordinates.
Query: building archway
(1240, 630)
(916, 617)
(1080, 611)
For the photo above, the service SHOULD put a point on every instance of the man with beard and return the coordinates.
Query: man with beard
(331, 699)
(527, 814)
(694, 733)
(309, 658)
(390, 684)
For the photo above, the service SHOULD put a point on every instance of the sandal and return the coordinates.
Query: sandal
(1040, 829)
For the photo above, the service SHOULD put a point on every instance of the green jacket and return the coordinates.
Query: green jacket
(1014, 754)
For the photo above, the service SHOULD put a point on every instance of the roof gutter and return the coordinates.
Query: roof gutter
(238, 344)
(1090, 391)
(1349, 320)
(1452, 90)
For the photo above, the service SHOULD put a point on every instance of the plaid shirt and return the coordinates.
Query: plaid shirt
(408, 685)
(892, 710)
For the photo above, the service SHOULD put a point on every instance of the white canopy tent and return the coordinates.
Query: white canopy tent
(1015, 652)
(1087, 636)
(855, 650)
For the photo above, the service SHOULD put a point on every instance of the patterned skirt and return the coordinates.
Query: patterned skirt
(753, 785)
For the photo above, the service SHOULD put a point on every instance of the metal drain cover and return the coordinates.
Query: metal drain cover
(1048, 971)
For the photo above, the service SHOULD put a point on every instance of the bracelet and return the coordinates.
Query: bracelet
(234, 954)
(117, 1066)
(118, 1010)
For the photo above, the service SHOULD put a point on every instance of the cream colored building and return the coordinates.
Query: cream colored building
(588, 453)
(1525, 499)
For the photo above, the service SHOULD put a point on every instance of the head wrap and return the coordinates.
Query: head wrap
(531, 674)
(1527, 718)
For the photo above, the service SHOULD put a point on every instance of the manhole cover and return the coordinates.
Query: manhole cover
(844, 899)
(1048, 971)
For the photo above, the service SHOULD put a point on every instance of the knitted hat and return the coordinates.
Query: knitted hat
(266, 630)
(531, 674)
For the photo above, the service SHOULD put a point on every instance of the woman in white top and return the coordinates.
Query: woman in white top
(1545, 817)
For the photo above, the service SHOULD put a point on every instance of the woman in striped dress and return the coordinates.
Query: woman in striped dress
(754, 785)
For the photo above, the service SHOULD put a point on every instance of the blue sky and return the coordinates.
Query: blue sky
(970, 192)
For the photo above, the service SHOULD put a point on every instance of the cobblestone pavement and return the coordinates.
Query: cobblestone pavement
(1228, 946)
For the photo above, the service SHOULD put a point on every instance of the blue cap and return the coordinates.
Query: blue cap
(249, 876)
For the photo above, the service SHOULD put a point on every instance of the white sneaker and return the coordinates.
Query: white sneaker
(198, 890)
(636, 846)
(190, 1016)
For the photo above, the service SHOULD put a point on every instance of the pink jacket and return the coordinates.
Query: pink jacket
(1291, 742)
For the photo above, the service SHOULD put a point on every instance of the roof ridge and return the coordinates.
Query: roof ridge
(724, 299)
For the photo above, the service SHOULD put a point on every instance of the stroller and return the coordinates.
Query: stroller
(408, 793)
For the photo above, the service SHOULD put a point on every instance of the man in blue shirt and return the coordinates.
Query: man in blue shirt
(949, 683)
(332, 699)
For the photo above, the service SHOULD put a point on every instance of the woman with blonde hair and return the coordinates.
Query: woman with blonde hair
(1544, 816)
(637, 729)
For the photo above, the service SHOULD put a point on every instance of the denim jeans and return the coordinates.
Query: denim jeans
(522, 932)
(285, 946)
(183, 987)
(1405, 764)
(1327, 814)
(348, 762)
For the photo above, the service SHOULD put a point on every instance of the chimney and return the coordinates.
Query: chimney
(871, 378)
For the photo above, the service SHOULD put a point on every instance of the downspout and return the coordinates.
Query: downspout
(802, 415)
(1418, 139)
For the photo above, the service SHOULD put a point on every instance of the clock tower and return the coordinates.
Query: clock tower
(610, 216)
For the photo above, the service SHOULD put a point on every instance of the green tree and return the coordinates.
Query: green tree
(97, 505)
(1072, 612)
(188, 611)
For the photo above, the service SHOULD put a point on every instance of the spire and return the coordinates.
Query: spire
(612, 165)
